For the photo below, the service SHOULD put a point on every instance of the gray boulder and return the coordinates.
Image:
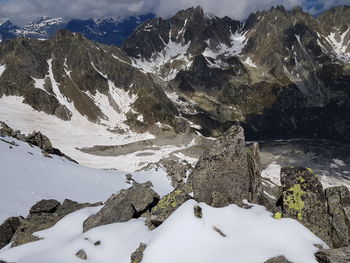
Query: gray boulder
(8, 229)
(304, 200)
(125, 205)
(44, 206)
(339, 255)
(280, 259)
(43, 218)
(221, 175)
(338, 203)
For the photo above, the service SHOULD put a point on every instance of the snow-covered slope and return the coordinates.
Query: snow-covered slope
(231, 234)
(26, 177)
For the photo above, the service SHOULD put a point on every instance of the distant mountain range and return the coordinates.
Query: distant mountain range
(110, 30)
(280, 74)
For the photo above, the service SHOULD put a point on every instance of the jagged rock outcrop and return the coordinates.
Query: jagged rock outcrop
(229, 172)
(304, 200)
(8, 229)
(35, 138)
(167, 205)
(221, 175)
(340, 255)
(44, 215)
(125, 205)
(338, 204)
(279, 66)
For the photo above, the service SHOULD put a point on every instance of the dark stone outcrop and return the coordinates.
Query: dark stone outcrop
(35, 138)
(338, 204)
(8, 229)
(221, 175)
(167, 205)
(45, 206)
(304, 200)
(125, 205)
(340, 255)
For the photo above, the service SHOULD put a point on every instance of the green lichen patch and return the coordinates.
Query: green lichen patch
(293, 199)
(168, 204)
(278, 215)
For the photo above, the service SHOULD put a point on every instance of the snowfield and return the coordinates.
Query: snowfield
(229, 234)
(26, 177)
(70, 136)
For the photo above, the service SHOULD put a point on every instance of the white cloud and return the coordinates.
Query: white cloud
(22, 10)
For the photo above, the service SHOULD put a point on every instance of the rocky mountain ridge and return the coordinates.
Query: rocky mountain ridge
(110, 30)
(277, 65)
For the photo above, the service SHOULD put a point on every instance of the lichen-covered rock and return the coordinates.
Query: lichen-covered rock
(304, 200)
(339, 255)
(221, 175)
(137, 256)
(45, 206)
(125, 205)
(280, 259)
(8, 229)
(338, 203)
(167, 205)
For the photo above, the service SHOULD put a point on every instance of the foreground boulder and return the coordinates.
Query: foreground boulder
(167, 205)
(44, 215)
(340, 255)
(125, 205)
(338, 204)
(221, 175)
(8, 229)
(304, 200)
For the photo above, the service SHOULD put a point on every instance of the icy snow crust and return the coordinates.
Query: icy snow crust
(251, 236)
(27, 176)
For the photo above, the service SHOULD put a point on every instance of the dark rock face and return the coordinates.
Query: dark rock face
(44, 215)
(45, 206)
(305, 83)
(137, 256)
(167, 205)
(340, 255)
(304, 200)
(221, 175)
(125, 205)
(92, 68)
(8, 229)
(253, 160)
(338, 203)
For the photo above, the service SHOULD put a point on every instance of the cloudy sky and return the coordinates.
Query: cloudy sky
(20, 11)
